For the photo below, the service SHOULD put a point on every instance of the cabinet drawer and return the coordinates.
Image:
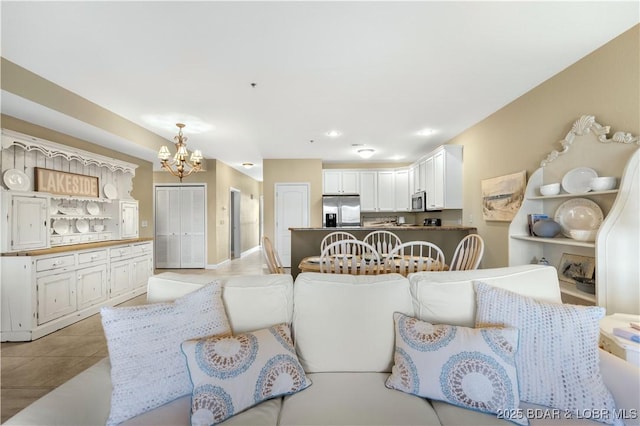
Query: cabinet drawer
(92, 256)
(120, 252)
(140, 249)
(57, 262)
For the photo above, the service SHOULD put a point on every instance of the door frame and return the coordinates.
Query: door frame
(235, 238)
(206, 215)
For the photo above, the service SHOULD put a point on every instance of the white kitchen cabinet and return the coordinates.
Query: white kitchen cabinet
(420, 178)
(386, 191)
(128, 219)
(443, 170)
(412, 185)
(615, 250)
(340, 181)
(402, 191)
(56, 296)
(368, 191)
(25, 224)
(41, 293)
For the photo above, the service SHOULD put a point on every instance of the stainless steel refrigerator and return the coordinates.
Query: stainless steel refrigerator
(340, 210)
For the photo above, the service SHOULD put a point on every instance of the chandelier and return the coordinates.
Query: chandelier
(179, 166)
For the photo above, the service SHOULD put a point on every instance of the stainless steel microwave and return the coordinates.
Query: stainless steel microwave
(419, 202)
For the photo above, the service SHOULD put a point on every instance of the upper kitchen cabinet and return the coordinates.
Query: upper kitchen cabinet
(25, 223)
(402, 191)
(368, 190)
(443, 170)
(386, 191)
(340, 182)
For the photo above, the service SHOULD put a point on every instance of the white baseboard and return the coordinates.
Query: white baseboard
(243, 254)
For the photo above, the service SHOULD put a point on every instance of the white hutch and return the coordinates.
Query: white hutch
(64, 256)
(616, 249)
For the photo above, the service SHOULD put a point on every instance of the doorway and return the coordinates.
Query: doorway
(180, 226)
(292, 211)
(235, 241)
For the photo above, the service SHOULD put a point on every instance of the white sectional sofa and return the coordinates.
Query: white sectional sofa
(344, 337)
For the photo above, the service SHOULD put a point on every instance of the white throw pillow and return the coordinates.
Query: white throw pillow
(470, 368)
(558, 362)
(147, 366)
(232, 373)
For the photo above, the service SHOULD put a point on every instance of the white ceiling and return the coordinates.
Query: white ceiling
(377, 71)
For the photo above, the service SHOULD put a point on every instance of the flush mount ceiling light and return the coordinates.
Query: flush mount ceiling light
(366, 152)
(247, 165)
(425, 132)
(333, 133)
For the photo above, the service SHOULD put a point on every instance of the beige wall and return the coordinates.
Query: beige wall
(291, 171)
(142, 181)
(517, 137)
(219, 179)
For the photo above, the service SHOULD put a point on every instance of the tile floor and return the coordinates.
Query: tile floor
(31, 369)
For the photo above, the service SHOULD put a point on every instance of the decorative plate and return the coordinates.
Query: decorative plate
(578, 180)
(16, 180)
(53, 206)
(110, 191)
(82, 225)
(578, 213)
(61, 227)
(93, 209)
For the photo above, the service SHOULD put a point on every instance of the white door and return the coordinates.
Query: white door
(180, 227)
(292, 211)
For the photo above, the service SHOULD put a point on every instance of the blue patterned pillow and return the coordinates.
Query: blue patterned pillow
(232, 373)
(470, 368)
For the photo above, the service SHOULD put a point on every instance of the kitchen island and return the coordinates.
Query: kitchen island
(306, 241)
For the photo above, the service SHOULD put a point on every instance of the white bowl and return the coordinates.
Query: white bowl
(550, 189)
(98, 228)
(603, 183)
(583, 234)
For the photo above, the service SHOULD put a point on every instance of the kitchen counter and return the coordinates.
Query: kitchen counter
(306, 241)
(74, 247)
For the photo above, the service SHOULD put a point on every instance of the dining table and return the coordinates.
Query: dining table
(312, 264)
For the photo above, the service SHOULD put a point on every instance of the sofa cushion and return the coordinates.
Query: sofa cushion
(471, 368)
(345, 322)
(354, 399)
(558, 360)
(232, 373)
(252, 302)
(449, 298)
(147, 367)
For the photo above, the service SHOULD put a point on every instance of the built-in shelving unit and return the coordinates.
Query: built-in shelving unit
(616, 249)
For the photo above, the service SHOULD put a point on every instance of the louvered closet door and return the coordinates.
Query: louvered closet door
(192, 244)
(180, 224)
(167, 226)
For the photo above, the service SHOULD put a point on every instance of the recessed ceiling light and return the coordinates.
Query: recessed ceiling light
(247, 165)
(366, 152)
(333, 133)
(425, 132)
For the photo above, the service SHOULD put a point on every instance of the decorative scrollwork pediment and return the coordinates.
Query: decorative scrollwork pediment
(585, 125)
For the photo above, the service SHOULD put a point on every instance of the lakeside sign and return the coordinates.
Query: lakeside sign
(65, 183)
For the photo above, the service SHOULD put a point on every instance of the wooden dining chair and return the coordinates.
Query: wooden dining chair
(468, 253)
(333, 237)
(382, 241)
(350, 257)
(415, 256)
(271, 256)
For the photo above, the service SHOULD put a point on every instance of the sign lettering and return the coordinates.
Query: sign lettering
(57, 182)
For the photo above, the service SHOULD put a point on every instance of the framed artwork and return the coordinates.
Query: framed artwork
(502, 196)
(573, 265)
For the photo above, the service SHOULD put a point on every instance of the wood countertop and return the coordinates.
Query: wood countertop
(393, 228)
(74, 247)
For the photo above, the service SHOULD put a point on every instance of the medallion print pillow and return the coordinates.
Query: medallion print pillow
(558, 362)
(232, 373)
(470, 368)
(147, 366)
